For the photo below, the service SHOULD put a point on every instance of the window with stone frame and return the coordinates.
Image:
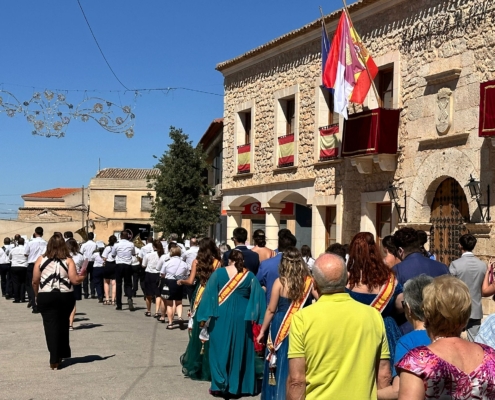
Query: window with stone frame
(246, 124)
(385, 85)
(289, 108)
(146, 203)
(120, 203)
(331, 225)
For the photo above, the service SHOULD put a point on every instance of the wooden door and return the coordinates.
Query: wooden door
(449, 214)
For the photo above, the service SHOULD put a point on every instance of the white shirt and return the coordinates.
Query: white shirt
(146, 250)
(34, 249)
(97, 259)
(310, 262)
(18, 257)
(173, 267)
(107, 254)
(4, 255)
(88, 248)
(190, 255)
(150, 261)
(123, 252)
(78, 259)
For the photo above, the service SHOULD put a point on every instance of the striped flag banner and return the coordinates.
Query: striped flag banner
(286, 151)
(329, 143)
(244, 159)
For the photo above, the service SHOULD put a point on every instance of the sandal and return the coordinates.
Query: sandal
(113, 303)
(106, 302)
(157, 315)
(147, 313)
(170, 327)
(161, 320)
(71, 328)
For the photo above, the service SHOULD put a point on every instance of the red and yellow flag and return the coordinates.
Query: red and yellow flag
(286, 150)
(363, 81)
(243, 158)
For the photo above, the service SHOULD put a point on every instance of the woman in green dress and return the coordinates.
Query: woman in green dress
(195, 360)
(232, 301)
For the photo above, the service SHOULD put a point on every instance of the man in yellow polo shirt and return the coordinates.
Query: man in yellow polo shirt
(338, 347)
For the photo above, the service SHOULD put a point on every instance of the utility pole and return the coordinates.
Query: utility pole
(82, 208)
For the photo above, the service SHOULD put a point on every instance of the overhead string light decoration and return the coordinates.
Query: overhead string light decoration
(50, 113)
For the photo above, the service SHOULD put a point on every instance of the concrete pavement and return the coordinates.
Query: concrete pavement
(116, 355)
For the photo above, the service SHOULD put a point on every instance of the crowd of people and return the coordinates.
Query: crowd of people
(361, 321)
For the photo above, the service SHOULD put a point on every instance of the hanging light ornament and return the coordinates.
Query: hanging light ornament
(50, 113)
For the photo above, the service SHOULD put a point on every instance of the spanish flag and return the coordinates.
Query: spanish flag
(243, 159)
(363, 82)
(329, 143)
(286, 150)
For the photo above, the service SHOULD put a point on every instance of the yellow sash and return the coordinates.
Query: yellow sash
(231, 286)
(201, 289)
(385, 295)
(283, 331)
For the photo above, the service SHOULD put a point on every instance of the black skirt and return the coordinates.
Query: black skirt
(151, 281)
(109, 270)
(77, 292)
(175, 289)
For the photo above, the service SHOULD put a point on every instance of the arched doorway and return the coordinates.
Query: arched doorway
(449, 214)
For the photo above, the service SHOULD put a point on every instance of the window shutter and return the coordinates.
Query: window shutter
(120, 203)
(146, 203)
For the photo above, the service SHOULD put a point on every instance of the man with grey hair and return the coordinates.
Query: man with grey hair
(338, 347)
(173, 239)
(413, 300)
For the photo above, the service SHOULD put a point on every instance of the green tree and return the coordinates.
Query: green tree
(182, 203)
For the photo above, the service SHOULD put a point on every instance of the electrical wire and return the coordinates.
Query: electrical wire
(101, 51)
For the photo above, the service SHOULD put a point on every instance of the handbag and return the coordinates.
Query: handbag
(164, 289)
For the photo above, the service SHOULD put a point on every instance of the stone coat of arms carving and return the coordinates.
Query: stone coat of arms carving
(445, 111)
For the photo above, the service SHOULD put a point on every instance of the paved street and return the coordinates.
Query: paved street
(116, 355)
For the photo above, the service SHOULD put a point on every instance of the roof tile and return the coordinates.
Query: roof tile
(57, 193)
(128, 173)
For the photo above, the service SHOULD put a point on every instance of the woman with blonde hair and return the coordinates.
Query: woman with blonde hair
(291, 291)
(450, 367)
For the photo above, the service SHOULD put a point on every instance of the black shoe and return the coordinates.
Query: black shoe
(16, 301)
(131, 305)
(86, 296)
(8, 297)
(93, 296)
(29, 304)
(35, 310)
(100, 300)
(118, 308)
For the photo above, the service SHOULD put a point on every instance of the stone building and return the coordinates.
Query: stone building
(56, 210)
(418, 134)
(212, 143)
(120, 199)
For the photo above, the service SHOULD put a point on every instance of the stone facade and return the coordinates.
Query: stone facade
(440, 52)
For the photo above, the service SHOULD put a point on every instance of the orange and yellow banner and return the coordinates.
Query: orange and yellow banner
(385, 295)
(231, 286)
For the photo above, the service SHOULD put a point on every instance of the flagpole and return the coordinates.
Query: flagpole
(362, 58)
(323, 21)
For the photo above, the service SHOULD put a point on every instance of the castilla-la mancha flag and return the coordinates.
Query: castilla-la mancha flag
(342, 66)
(363, 81)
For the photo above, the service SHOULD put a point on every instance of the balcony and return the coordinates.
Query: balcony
(286, 150)
(244, 159)
(487, 111)
(329, 142)
(372, 137)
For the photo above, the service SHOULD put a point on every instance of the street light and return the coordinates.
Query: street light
(476, 194)
(394, 196)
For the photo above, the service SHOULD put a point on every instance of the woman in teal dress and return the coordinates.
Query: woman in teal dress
(293, 289)
(195, 364)
(232, 301)
(368, 275)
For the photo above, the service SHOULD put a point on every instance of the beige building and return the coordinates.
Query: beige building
(56, 210)
(120, 198)
(420, 134)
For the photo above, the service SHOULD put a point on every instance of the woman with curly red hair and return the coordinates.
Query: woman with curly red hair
(372, 282)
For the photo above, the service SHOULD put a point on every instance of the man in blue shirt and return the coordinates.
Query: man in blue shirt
(413, 263)
(268, 272)
(251, 259)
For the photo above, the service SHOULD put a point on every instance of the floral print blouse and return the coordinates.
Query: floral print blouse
(443, 380)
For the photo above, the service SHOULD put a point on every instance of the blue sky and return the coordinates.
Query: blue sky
(150, 44)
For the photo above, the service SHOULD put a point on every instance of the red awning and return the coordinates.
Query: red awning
(487, 109)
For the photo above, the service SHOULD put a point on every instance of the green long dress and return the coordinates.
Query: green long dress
(232, 355)
(194, 364)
